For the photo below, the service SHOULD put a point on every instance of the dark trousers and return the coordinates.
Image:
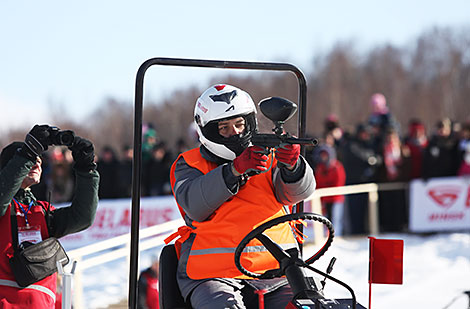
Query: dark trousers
(215, 294)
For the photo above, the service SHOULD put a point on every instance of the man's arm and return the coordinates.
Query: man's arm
(198, 194)
(81, 214)
(11, 177)
(24, 158)
(293, 186)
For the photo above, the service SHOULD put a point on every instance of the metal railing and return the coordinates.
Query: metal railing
(99, 253)
(373, 212)
(151, 237)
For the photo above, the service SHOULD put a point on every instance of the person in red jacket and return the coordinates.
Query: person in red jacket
(416, 141)
(21, 168)
(148, 287)
(329, 172)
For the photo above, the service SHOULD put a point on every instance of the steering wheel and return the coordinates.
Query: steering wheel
(277, 252)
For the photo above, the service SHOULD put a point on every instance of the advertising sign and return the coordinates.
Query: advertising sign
(113, 218)
(440, 204)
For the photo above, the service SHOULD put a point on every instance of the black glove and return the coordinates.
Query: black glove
(36, 142)
(83, 154)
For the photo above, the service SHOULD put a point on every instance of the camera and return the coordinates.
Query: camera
(61, 137)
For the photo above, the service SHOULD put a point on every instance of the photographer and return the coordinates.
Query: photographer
(20, 168)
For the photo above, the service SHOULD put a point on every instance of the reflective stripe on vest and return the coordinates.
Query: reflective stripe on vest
(250, 249)
(36, 287)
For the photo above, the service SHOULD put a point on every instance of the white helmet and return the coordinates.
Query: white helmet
(223, 102)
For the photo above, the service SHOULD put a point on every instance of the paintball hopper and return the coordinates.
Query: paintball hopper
(278, 110)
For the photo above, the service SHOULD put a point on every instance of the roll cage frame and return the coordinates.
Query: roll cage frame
(138, 113)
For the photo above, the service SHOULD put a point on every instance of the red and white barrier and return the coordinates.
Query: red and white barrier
(113, 218)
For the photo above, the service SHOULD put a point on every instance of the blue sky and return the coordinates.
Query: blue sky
(73, 55)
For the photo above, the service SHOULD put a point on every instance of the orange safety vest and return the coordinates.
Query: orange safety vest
(213, 250)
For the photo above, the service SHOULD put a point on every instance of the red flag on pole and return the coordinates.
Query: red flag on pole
(385, 262)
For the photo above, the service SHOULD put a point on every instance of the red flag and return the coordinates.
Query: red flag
(385, 261)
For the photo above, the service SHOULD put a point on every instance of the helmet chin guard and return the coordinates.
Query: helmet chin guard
(223, 102)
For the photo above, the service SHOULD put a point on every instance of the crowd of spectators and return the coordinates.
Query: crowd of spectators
(378, 150)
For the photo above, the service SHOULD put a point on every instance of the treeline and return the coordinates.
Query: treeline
(427, 79)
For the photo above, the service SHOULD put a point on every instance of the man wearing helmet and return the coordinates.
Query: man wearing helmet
(224, 189)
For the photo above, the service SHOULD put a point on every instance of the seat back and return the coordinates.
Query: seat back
(169, 292)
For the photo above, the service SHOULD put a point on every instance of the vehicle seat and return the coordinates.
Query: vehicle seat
(169, 292)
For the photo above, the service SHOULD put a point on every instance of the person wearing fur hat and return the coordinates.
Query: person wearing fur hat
(20, 168)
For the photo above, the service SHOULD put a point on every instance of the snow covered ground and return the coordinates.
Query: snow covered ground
(436, 273)
(436, 269)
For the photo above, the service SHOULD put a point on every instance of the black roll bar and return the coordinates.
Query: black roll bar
(138, 108)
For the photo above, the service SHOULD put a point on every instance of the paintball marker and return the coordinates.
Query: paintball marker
(278, 110)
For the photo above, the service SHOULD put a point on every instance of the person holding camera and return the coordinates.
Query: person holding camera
(224, 189)
(37, 221)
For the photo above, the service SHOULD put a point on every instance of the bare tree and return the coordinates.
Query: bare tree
(429, 79)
